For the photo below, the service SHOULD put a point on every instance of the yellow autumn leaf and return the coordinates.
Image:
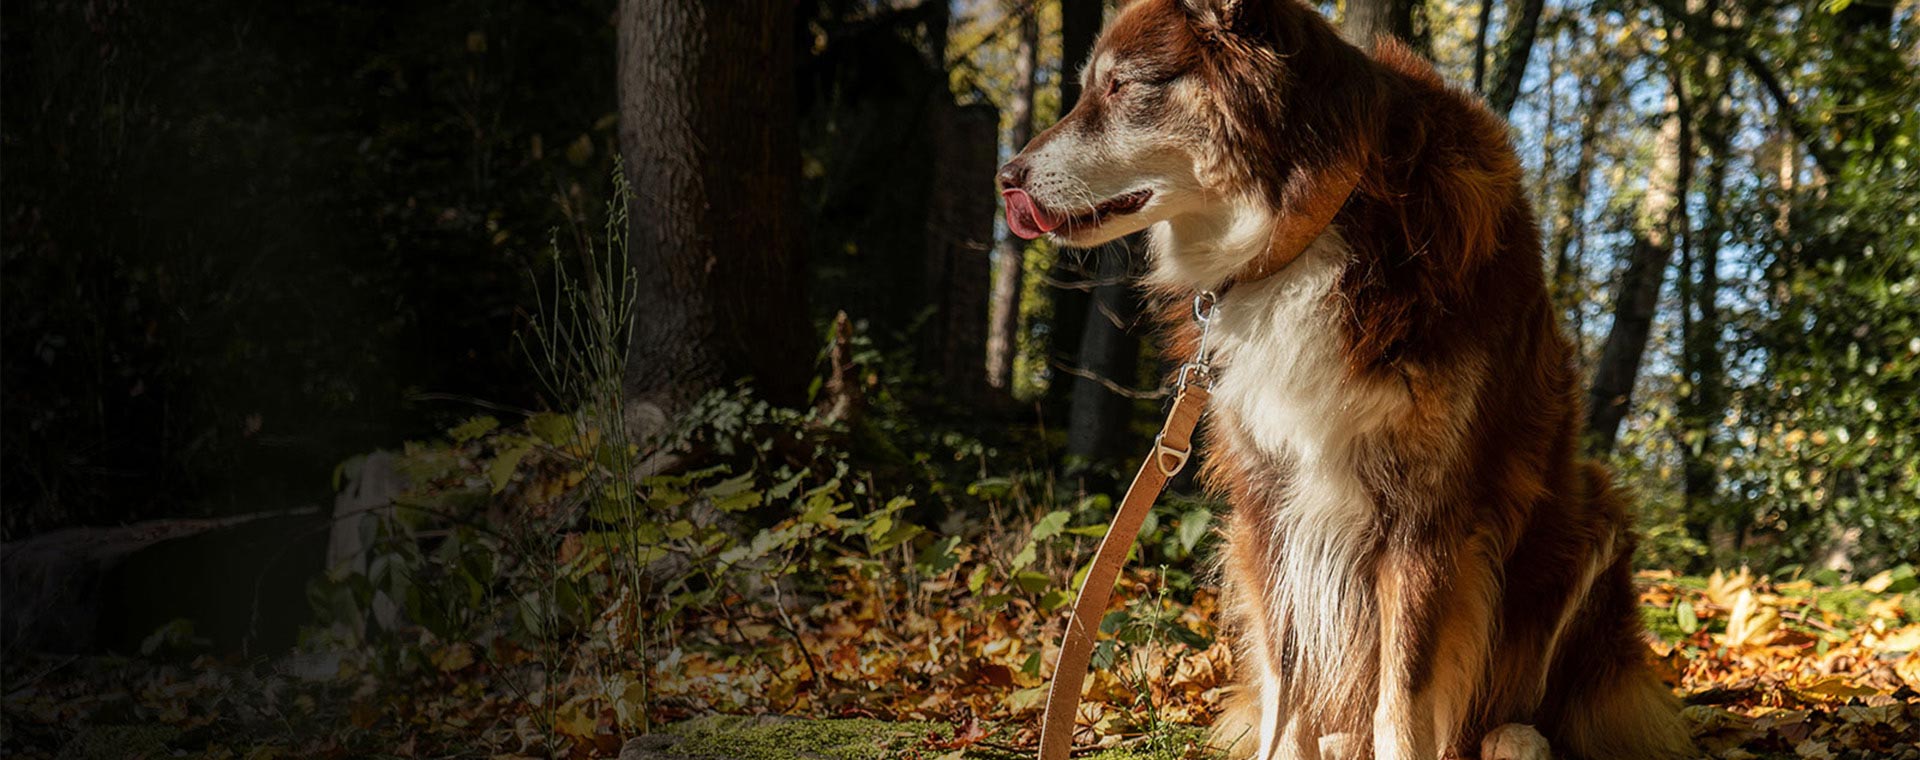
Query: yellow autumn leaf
(574, 720)
(1750, 621)
(453, 658)
(1024, 701)
(1899, 641)
(1886, 608)
(1723, 589)
(1837, 687)
(1908, 668)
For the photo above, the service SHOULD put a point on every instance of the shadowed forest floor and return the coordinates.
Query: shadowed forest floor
(492, 613)
(1787, 670)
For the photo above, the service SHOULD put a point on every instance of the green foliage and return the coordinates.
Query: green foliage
(1831, 423)
(1804, 427)
(559, 537)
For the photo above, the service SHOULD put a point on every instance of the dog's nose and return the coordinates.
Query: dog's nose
(1013, 175)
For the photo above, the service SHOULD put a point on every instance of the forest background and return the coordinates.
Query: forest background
(578, 335)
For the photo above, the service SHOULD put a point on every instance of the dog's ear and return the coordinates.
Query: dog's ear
(1215, 16)
(1237, 21)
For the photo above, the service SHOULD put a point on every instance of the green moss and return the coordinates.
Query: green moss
(1848, 602)
(1695, 582)
(119, 743)
(1169, 742)
(1137, 753)
(772, 738)
(1662, 623)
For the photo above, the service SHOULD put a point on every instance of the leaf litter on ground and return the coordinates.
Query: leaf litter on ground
(1768, 669)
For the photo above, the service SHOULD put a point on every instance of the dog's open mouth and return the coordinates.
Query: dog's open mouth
(1030, 220)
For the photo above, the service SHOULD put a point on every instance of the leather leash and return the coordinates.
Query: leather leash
(1171, 449)
(1331, 187)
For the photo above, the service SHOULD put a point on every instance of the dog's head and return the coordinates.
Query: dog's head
(1225, 114)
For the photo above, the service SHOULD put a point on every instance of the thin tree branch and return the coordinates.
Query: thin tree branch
(1116, 388)
(1732, 41)
(1480, 46)
(1515, 51)
(1007, 24)
(1053, 282)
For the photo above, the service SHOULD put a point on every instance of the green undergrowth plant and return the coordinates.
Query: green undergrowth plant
(1047, 550)
(1140, 637)
(577, 344)
(554, 551)
(517, 547)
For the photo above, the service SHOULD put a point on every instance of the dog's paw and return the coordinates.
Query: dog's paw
(1515, 741)
(1344, 747)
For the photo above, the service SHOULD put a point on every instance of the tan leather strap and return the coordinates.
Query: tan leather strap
(1170, 452)
(1324, 193)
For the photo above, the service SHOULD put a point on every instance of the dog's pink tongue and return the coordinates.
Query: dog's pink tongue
(1026, 218)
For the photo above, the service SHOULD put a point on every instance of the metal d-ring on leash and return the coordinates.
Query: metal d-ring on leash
(1171, 449)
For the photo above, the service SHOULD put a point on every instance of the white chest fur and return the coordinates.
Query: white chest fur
(1284, 369)
(1283, 380)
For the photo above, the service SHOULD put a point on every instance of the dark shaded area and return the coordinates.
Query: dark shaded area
(242, 241)
(234, 584)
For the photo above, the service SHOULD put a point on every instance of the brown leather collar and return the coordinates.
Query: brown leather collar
(1325, 192)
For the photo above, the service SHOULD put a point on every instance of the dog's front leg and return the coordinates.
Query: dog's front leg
(1298, 741)
(1286, 733)
(1403, 718)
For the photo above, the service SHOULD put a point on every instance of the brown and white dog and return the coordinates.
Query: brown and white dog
(1418, 564)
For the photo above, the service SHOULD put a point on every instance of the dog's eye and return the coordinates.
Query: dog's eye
(1114, 85)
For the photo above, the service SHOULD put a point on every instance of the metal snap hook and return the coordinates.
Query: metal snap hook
(1191, 370)
(1206, 307)
(1203, 306)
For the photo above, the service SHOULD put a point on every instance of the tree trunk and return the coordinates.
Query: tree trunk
(1480, 24)
(1367, 20)
(707, 126)
(1079, 28)
(1664, 216)
(1004, 313)
(959, 232)
(1523, 24)
(1070, 292)
(1569, 269)
(1702, 401)
(1102, 408)
(939, 28)
(1786, 173)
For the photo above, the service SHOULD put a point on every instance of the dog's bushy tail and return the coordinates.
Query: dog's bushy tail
(1617, 708)
(1635, 717)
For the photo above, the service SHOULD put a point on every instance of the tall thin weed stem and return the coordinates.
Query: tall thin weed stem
(577, 343)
